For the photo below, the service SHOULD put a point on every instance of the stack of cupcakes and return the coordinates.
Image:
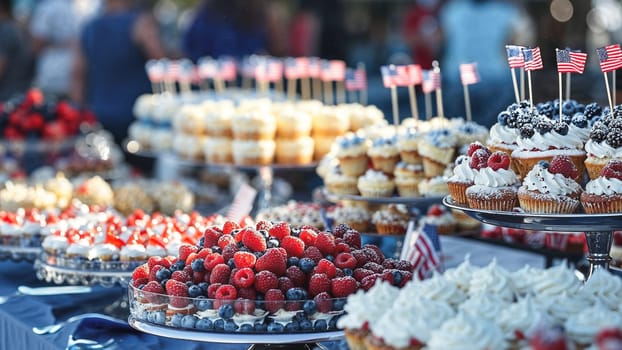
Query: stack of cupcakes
(294, 145)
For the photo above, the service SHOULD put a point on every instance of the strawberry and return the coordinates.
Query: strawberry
(254, 240)
(564, 166)
(229, 226)
(141, 271)
(211, 236)
(326, 267)
(313, 253)
(353, 239)
(274, 300)
(226, 292)
(474, 147)
(296, 275)
(548, 339)
(285, 284)
(323, 302)
(244, 278)
(342, 287)
(479, 159)
(361, 273)
(244, 306)
(154, 271)
(345, 261)
(244, 259)
(139, 282)
(273, 261)
(247, 293)
(220, 274)
(263, 225)
(181, 276)
(265, 280)
(211, 260)
(499, 160)
(293, 245)
(325, 242)
(279, 230)
(308, 236)
(613, 169)
(319, 283)
(151, 289)
(179, 290)
(185, 250)
(226, 240)
(211, 290)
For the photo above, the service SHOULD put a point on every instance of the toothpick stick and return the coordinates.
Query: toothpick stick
(467, 102)
(396, 118)
(613, 91)
(305, 88)
(568, 77)
(608, 91)
(530, 91)
(341, 92)
(317, 89)
(428, 105)
(522, 83)
(291, 89)
(559, 79)
(414, 111)
(513, 72)
(328, 92)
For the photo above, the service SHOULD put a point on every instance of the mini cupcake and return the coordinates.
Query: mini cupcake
(218, 150)
(95, 191)
(375, 184)
(407, 179)
(351, 151)
(255, 125)
(463, 175)
(339, 183)
(392, 220)
(297, 151)
(434, 187)
(407, 144)
(253, 152)
(292, 124)
(504, 133)
(471, 132)
(605, 143)
(362, 116)
(437, 148)
(330, 121)
(384, 154)
(218, 120)
(440, 219)
(132, 196)
(495, 184)
(354, 216)
(133, 252)
(604, 194)
(550, 188)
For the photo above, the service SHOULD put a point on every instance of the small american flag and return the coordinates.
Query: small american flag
(393, 75)
(269, 69)
(296, 68)
(414, 71)
(208, 68)
(610, 57)
(155, 70)
(333, 70)
(186, 71)
(515, 56)
(421, 250)
(315, 67)
(533, 59)
(468, 73)
(242, 203)
(172, 70)
(570, 62)
(431, 81)
(356, 79)
(227, 69)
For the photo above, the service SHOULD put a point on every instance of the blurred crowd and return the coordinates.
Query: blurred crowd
(93, 51)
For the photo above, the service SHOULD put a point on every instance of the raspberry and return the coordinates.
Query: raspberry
(239, 235)
(323, 302)
(265, 280)
(244, 306)
(244, 259)
(407, 276)
(244, 278)
(404, 265)
(185, 250)
(139, 282)
(342, 287)
(179, 290)
(272, 261)
(279, 230)
(226, 292)
(247, 293)
(274, 300)
(345, 261)
(294, 246)
(220, 274)
(499, 160)
(181, 276)
(479, 159)
(263, 225)
(225, 240)
(152, 288)
(326, 267)
(436, 210)
(229, 226)
(211, 260)
(295, 274)
(564, 166)
(353, 239)
(211, 237)
(361, 258)
(373, 267)
(373, 255)
(141, 272)
(211, 290)
(340, 229)
(368, 282)
(313, 253)
(325, 242)
(474, 147)
(202, 253)
(341, 247)
(254, 241)
(319, 283)
(607, 335)
(156, 260)
(285, 284)
(613, 169)
(228, 252)
(361, 273)
(308, 236)
(389, 263)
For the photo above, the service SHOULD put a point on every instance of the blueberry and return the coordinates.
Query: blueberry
(176, 320)
(216, 249)
(264, 233)
(247, 328)
(294, 294)
(273, 243)
(204, 304)
(544, 164)
(330, 258)
(275, 328)
(225, 311)
(292, 326)
(259, 298)
(319, 325)
(201, 242)
(332, 324)
(204, 324)
(188, 321)
(300, 316)
(219, 324)
(163, 274)
(306, 325)
(141, 286)
(292, 261)
(203, 286)
(568, 107)
(258, 254)
(309, 307)
(159, 317)
(197, 265)
(231, 263)
(338, 304)
(260, 327)
(189, 284)
(179, 265)
(163, 283)
(150, 317)
(307, 265)
(194, 291)
(295, 231)
(348, 272)
(397, 278)
(230, 326)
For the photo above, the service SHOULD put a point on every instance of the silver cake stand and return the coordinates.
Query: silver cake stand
(259, 341)
(598, 228)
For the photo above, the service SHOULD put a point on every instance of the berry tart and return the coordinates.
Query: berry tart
(604, 194)
(551, 188)
(495, 184)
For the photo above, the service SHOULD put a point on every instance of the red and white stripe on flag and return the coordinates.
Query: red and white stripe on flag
(172, 71)
(296, 68)
(333, 70)
(515, 56)
(155, 70)
(610, 57)
(186, 70)
(207, 68)
(431, 81)
(242, 203)
(315, 67)
(468, 73)
(356, 79)
(227, 69)
(415, 73)
(533, 59)
(419, 250)
(570, 62)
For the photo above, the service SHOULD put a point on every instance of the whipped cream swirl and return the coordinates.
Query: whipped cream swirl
(468, 333)
(492, 279)
(550, 140)
(502, 134)
(541, 180)
(602, 149)
(495, 178)
(604, 186)
(583, 326)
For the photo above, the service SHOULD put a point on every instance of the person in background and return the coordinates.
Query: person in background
(15, 55)
(54, 29)
(304, 30)
(421, 32)
(109, 71)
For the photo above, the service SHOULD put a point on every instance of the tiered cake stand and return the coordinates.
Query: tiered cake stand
(598, 228)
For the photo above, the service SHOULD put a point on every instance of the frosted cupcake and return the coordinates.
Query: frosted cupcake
(297, 151)
(470, 132)
(189, 146)
(358, 218)
(95, 191)
(494, 185)
(583, 327)
(605, 288)
(330, 121)
(407, 178)
(247, 152)
(604, 194)
(440, 219)
(255, 125)
(520, 318)
(486, 306)
(218, 150)
(408, 145)
(351, 151)
(503, 134)
(143, 107)
(218, 122)
(293, 124)
(362, 116)
(461, 275)
(437, 148)
(384, 154)
(339, 183)
(375, 184)
(463, 175)
(467, 332)
(62, 188)
(604, 144)
(391, 220)
(492, 279)
(189, 120)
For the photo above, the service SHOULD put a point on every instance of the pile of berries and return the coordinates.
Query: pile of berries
(274, 277)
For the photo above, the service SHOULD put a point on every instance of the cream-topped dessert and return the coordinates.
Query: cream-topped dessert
(520, 317)
(492, 279)
(439, 288)
(375, 184)
(482, 305)
(384, 154)
(408, 145)
(437, 148)
(465, 332)
(462, 274)
(582, 327)
(604, 287)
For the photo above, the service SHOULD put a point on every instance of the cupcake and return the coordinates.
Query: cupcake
(253, 125)
(351, 151)
(407, 144)
(189, 146)
(463, 175)
(375, 184)
(504, 133)
(550, 188)
(339, 183)
(218, 150)
(583, 327)
(466, 332)
(330, 121)
(384, 154)
(322, 145)
(292, 124)
(434, 187)
(604, 194)
(437, 148)
(132, 196)
(95, 191)
(407, 178)
(189, 120)
(471, 132)
(218, 118)
(356, 217)
(133, 252)
(253, 152)
(495, 184)
(362, 116)
(392, 220)
(297, 151)
(104, 252)
(441, 219)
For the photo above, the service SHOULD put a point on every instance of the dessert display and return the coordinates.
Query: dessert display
(603, 194)
(440, 219)
(356, 216)
(265, 279)
(295, 213)
(391, 220)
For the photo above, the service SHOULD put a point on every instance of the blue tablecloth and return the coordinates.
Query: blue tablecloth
(20, 314)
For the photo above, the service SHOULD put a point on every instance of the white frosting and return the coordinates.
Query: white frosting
(604, 186)
(569, 304)
(56, 243)
(241, 319)
(283, 317)
(583, 326)
(492, 279)
(495, 178)
(487, 306)
(133, 251)
(468, 333)
(550, 140)
(541, 180)
(519, 316)
(383, 147)
(155, 250)
(502, 134)
(439, 288)
(604, 287)
(372, 176)
(581, 133)
(80, 248)
(242, 149)
(554, 281)
(462, 171)
(350, 145)
(602, 149)
(103, 249)
(461, 275)
(524, 279)
(369, 307)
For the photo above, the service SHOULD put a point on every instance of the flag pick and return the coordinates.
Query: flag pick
(515, 60)
(610, 58)
(533, 61)
(468, 76)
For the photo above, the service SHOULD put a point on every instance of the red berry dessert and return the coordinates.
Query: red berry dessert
(464, 173)
(495, 184)
(604, 194)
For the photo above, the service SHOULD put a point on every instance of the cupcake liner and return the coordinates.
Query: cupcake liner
(492, 204)
(411, 157)
(525, 165)
(355, 339)
(353, 166)
(405, 189)
(546, 204)
(432, 168)
(342, 188)
(296, 159)
(372, 344)
(361, 226)
(254, 135)
(377, 192)
(457, 190)
(594, 166)
(602, 207)
(246, 160)
(385, 164)
(389, 228)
